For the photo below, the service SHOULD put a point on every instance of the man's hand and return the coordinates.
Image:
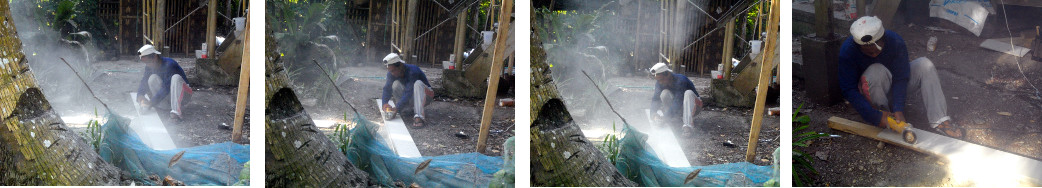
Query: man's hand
(144, 104)
(883, 121)
(900, 116)
(388, 108)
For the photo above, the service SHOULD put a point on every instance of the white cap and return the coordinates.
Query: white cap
(659, 68)
(867, 30)
(393, 58)
(147, 50)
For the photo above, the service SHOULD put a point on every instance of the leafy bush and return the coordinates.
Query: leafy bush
(801, 160)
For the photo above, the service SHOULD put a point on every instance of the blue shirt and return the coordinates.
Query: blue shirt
(852, 64)
(167, 70)
(412, 74)
(680, 85)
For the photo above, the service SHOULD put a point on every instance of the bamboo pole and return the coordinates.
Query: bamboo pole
(497, 69)
(765, 75)
(244, 87)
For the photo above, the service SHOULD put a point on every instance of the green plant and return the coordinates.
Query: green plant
(611, 145)
(342, 135)
(94, 134)
(801, 160)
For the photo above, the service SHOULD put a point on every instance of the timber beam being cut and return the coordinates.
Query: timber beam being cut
(959, 153)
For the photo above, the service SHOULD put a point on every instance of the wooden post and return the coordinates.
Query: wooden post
(765, 75)
(211, 30)
(244, 87)
(497, 69)
(410, 30)
(861, 9)
(160, 25)
(823, 19)
(728, 49)
(461, 30)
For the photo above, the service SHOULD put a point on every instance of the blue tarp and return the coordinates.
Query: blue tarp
(370, 153)
(639, 164)
(215, 164)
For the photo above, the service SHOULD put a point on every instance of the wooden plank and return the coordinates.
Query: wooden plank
(461, 30)
(957, 152)
(497, 70)
(765, 76)
(150, 128)
(1004, 47)
(663, 143)
(398, 136)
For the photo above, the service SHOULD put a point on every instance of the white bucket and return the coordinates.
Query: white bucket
(755, 47)
(717, 75)
(240, 23)
(448, 65)
(199, 54)
(487, 36)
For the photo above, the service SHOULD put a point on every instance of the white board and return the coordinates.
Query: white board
(664, 143)
(1004, 47)
(150, 128)
(398, 135)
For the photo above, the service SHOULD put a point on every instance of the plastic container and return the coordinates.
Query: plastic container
(755, 47)
(487, 38)
(931, 45)
(448, 65)
(717, 75)
(240, 23)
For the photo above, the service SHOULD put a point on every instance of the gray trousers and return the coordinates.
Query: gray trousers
(421, 96)
(875, 85)
(692, 105)
(180, 92)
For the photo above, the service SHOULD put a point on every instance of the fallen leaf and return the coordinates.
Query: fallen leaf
(1005, 113)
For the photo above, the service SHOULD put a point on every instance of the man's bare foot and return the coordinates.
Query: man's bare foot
(417, 122)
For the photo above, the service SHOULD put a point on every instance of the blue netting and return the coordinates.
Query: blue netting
(640, 165)
(215, 164)
(369, 153)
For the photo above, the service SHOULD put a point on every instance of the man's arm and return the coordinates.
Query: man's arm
(901, 73)
(388, 88)
(142, 88)
(656, 100)
(849, 79)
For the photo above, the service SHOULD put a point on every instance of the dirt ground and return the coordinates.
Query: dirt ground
(981, 87)
(113, 81)
(721, 133)
(446, 116)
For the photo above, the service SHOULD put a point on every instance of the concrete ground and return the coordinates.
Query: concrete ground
(985, 92)
(721, 133)
(452, 123)
(113, 81)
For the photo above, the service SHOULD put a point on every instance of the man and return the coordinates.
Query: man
(875, 76)
(163, 83)
(675, 100)
(407, 87)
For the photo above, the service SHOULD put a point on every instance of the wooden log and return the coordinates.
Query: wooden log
(36, 147)
(765, 76)
(296, 153)
(497, 70)
(1017, 168)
